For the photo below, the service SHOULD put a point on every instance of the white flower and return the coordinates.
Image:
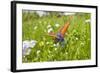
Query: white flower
(57, 25)
(76, 38)
(27, 45)
(49, 26)
(57, 44)
(49, 30)
(32, 43)
(26, 52)
(54, 45)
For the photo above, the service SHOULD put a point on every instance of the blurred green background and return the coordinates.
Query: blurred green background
(36, 25)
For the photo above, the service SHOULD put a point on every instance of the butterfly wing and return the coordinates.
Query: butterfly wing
(64, 29)
(53, 35)
(62, 32)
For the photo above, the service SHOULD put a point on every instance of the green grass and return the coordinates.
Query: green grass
(77, 41)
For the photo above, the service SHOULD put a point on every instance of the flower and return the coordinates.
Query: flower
(27, 45)
(57, 25)
(49, 26)
(76, 38)
(50, 29)
(57, 44)
(54, 45)
(26, 52)
(32, 43)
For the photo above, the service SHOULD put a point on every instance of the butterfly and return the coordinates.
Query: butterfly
(59, 36)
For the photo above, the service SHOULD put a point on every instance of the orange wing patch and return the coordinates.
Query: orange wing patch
(64, 29)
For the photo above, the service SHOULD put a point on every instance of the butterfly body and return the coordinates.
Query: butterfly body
(59, 37)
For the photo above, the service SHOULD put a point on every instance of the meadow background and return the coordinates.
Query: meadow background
(37, 24)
